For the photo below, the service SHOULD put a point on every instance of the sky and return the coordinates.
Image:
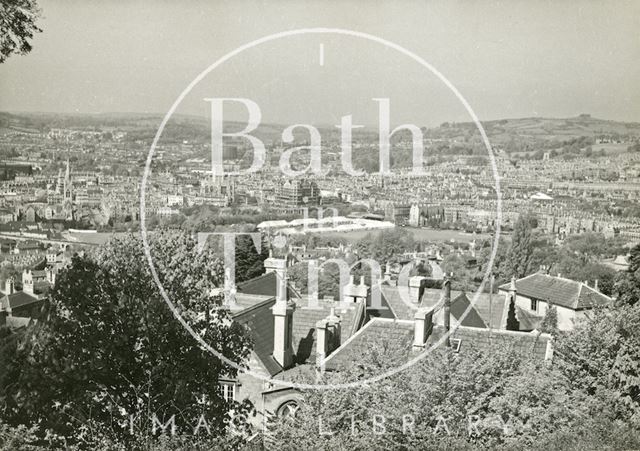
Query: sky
(509, 59)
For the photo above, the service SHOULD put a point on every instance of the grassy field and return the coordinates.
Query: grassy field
(421, 234)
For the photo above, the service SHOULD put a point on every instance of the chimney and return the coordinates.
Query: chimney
(416, 288)
(355, 293)
(9, 286)
(595, 285)
(422, 326)
(282, 332)
(51, 276)
(447, 308)
(274, 264)
(230, 296)
(327, 336)
(387, 271)
(27, 281)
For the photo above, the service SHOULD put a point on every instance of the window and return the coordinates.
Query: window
(228, 390)
(455, 344)
(288, 410)
(534, 305)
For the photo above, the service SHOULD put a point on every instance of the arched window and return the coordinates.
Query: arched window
(288, 409)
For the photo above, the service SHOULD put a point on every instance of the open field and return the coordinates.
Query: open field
(421, 234)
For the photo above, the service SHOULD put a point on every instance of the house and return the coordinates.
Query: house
(295, 335)
(18, 308)
(282, 324)
(533, 295)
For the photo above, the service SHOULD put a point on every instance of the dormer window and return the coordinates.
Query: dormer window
(455, 344)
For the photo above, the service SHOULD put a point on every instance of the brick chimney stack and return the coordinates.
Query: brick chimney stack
(416, 288)
(279, 266)
(282, 315)
(327, 336)
(423, 325)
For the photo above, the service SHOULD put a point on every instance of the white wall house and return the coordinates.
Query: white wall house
(534, 295)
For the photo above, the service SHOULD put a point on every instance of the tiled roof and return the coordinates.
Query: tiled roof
(395, 334)
(559, 291)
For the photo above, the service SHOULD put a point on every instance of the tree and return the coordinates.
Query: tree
(601, 357)
(550, 321)
(17, 26)
(130, 358)
(512, 320)
(385, 245)
(249, 263)
(521, 249)
(627, 284)
(511, 401)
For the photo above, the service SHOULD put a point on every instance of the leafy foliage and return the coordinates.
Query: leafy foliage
(628, 283)
(17, 26)
(112, 353)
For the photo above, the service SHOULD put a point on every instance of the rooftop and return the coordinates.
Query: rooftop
(559, 291)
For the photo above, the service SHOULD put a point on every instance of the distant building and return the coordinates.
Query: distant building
(293, 195)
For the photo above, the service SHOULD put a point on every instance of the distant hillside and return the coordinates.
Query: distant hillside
(533, 134)
(512, 135)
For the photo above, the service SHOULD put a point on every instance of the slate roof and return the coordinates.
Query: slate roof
(304, 327)
(484, 340)
(527, 319)
(259, 321)
(265, 284)
(256, 314)
(395, 334)
(19, 299)
(489, 307)
(459, 306)
(431, 297)
(559, 291)
(398, 334)
(392, 296)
